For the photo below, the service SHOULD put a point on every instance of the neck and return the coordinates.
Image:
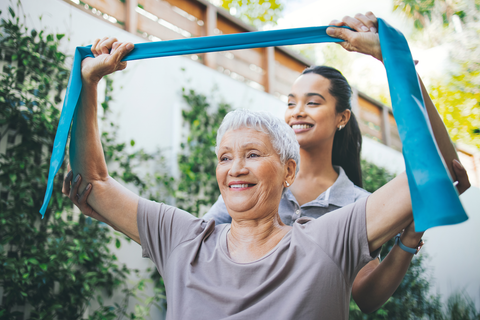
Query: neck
(317, 162)
(250, 240)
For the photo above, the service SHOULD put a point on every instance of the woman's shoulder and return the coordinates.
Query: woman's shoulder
(360, 193)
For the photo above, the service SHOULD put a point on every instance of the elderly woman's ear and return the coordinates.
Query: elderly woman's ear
(290, 169)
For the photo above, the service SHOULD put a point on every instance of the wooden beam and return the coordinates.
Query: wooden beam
(131, 19)
(211, 26)
(386, 132)
(269, 68)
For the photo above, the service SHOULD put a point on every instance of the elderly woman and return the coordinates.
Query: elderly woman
(256, 267)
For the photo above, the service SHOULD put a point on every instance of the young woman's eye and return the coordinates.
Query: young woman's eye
(291, 104)
(311, 103)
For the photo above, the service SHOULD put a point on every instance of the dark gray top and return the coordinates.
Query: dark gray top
(308, 275)
(341, 193)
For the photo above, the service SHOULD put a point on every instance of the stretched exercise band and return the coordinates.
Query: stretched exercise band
(435, 201)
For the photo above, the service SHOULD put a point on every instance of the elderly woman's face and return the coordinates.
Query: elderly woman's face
(250, 174)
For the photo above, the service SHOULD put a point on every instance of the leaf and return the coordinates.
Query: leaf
(12, 13)
(117, 243)
(132, 142)
(60, 36)
(43, 266)
(33, 261)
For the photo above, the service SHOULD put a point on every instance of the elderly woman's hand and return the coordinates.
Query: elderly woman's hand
(365, 40)
(80, 200)
(108, 54)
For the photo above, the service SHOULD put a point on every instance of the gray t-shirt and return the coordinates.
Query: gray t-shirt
(340, 194)
(308, 275)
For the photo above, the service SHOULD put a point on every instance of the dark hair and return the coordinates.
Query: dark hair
(347, 142)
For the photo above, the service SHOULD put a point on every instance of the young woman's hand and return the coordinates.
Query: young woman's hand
(108, 54)
(365, 40)
(80, 200)
(461, 177)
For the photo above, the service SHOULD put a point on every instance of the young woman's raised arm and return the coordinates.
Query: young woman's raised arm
(375, 283)
(108, 198)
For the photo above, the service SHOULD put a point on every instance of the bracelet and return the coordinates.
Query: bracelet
(399, 243)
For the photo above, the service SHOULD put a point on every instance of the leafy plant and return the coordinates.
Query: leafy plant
(197, 187)
(257, 13)
(455, 26)
(51, 268)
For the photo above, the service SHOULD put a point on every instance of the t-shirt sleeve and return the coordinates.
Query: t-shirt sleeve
(162, 228)
(342, 234)
(218, 212)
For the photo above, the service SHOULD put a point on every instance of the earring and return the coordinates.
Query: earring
(340, 127)
(288, 184)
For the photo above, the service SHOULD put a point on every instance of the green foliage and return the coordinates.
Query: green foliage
(51, 268)
(425, 12)
(455, 25)
(458, 103)
(460, 307)
(257, 13)
(55, 264)
(374, 177)
(197, 187)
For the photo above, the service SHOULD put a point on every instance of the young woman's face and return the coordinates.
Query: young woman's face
(311, 111)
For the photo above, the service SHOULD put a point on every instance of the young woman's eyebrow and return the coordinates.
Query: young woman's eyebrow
(310, 94)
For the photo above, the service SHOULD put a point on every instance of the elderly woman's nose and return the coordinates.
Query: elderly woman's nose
(238, 167)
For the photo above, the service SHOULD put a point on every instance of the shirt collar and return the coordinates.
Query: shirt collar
(341, 193)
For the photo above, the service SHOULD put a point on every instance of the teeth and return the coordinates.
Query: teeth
(239, 186)
(301, 126)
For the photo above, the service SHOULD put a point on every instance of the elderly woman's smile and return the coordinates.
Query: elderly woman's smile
(249, 170)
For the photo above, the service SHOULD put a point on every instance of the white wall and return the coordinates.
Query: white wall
(147, 104)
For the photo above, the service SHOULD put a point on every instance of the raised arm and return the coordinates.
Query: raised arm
(376, 282)
(108, 198)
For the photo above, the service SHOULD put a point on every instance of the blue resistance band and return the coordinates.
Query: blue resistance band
(434, 199)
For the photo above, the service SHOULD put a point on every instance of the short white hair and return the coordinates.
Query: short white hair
(281, 135)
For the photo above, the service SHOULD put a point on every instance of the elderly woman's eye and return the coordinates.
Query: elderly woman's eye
(253, 155)
(223, 158)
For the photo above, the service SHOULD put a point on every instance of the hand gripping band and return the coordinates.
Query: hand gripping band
(435, 201)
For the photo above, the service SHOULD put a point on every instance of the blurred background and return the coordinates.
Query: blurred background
(159, 119)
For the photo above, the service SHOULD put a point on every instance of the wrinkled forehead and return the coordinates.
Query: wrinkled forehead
(245, 137)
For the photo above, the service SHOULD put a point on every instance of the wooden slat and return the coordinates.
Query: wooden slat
(163, 10)
(366, 130)
(154, 28)
(228, 27)
(282, 87)
(238, 67)
(285, 74)
(289, 62)
(368, 106)
(114, 8)
(370, 117)
(131, 17)
(192, 7)
(249, 56)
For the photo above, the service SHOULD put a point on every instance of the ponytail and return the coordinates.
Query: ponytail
(347, 143)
